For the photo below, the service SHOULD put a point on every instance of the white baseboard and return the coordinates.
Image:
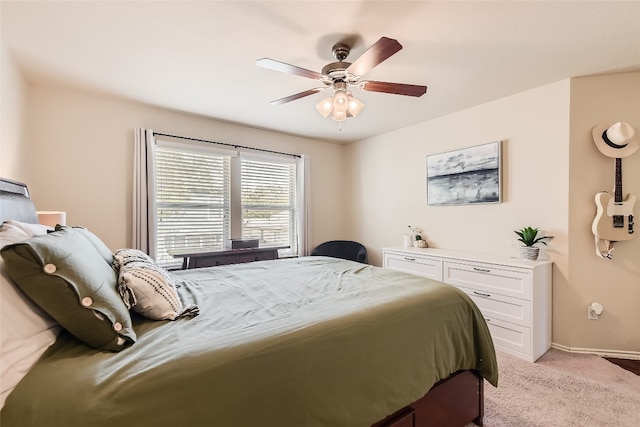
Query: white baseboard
(616, 354)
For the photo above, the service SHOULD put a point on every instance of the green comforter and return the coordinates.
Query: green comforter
(298, 342)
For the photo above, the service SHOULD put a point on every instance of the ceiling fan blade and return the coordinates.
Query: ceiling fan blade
(395, 88)
(272, 64)
(378, 52)
(294, 97)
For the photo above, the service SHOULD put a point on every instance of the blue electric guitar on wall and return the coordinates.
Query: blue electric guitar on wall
(614, 218)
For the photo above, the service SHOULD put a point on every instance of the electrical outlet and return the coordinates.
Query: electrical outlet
(590, 314)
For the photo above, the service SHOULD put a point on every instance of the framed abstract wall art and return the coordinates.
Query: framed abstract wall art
(467, 176)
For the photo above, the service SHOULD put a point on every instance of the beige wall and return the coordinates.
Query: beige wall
(388, 189)
(80, 148)
(551, 174)
(12, 119)
(616, 283)
(389, 184)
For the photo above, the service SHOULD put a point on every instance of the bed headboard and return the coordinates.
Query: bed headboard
(15, 202)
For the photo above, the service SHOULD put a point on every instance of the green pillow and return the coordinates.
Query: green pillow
(104, 251)
(65, 275)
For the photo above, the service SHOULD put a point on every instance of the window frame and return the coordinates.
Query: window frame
(235, 204)
(292, 208)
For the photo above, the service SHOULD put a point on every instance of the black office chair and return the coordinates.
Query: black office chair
(344, 249)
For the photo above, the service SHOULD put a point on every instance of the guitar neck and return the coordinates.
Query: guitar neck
(617, 191)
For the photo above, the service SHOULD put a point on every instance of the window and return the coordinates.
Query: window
(205, 196)
(193, 206)
(268, 198)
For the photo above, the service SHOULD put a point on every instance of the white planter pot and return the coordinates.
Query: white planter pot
(529, 252)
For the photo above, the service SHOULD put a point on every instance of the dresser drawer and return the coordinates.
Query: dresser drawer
(414, 264)
(487, 279)
(508, 336)
(501, 307)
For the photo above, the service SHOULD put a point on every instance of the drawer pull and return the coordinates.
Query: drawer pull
(481, 294)
(482, 270)
(409, 259)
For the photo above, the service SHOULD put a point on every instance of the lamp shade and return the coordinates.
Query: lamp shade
(325, 106)
(355, 105)
(339, 116)
(340, 102)
(52, 218)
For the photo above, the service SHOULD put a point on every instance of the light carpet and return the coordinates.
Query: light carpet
(562, 389)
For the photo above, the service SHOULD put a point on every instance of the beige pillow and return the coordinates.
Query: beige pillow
(147, 288)
(25, 330)
(30, 230)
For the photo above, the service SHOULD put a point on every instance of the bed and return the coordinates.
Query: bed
(310, 341)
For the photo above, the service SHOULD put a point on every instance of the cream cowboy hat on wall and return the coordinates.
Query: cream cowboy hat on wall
(615, 140)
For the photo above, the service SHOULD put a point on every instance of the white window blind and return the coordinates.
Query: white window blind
(268, 202)
(193, 199)
(204, 196)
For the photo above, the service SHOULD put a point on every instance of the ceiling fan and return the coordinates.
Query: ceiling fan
(341, 75)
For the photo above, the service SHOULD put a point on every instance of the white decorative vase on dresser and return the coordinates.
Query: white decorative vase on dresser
(514, 295)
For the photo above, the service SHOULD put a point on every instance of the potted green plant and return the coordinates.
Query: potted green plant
(529, 236)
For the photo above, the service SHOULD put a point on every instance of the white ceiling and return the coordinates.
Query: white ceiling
(199, 56)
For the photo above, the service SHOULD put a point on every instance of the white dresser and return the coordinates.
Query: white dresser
(514, 295)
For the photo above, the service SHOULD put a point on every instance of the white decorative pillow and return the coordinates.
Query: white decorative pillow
(25, 330)
(147, 288)
(31, 230)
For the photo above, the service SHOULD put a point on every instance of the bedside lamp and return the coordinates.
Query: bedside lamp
(51, 218)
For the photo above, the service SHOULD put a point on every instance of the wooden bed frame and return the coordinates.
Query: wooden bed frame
(453, 402)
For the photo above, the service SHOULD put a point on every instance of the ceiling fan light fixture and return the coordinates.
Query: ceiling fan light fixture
(340, 102)
(325, 107)
(341, 106)
(339, 116)
(355, 105)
